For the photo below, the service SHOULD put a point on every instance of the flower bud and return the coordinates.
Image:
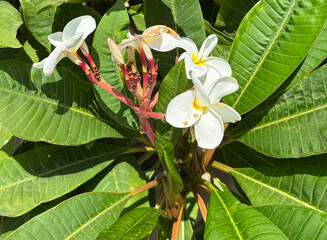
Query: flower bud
(84, 49)
(131, 54)
(146, 50)
(115, 53)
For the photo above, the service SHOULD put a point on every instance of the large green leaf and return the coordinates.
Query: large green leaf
(7, 143)
(239, 155)
(174, 83)
(271, 42)
(10, 21)
(81, 217)
(231, 13)
(51, 20)
(292, 124)
(136, 224)
(183, 16)
(59, 109)
(317, 54)
(298, 186)
(185, 229)
(42, 175)
(124, 175)
(229, 219)
(48, 3)
(297, 222)
(113, 25)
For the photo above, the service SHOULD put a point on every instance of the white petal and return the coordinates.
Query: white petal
(207, 46)
(40, 64)
(180, 111)
(222, 87)
(191, 66)
(163, 43)
(51, 62)
(84, 24)
(202, 97)
(226, 113)
(209, 130)
(188, 45)
(74, 42)
(211, 77)
(55, 38)
(220, 65)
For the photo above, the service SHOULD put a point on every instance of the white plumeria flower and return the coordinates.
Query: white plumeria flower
(201, 63)
(201, 108)
(158, 37)
(72, 37)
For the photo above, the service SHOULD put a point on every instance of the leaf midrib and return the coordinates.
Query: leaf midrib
(282, 120)
(230, 217)
(96, 217)
(278, 191)
(57, 169)
(266, 54)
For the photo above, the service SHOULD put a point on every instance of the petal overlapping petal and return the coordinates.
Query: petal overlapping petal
(84, 24)
(181, 112)
(191, 66)
(55, 38)
(55, 56)
(73, 43)
(188, 45)
(209, 130)
(222, 87)
(220, 65)
(227, 113)
(207, 46)
(202, 97)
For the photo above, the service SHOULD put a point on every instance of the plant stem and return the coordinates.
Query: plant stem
(147, 186)
(176, 225)
(220, 166)
(140, 149)
(201, 204)
(157, 115)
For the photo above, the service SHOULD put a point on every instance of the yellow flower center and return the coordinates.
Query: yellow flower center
(199, 62)
(198, 107)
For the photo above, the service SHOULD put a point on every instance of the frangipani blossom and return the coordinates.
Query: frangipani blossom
(201, 108)
(72, 37)
(201, 63)
(158, 37)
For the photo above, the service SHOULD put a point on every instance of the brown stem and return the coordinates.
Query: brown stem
(147, 186)
(148, 129)
(201, 204)
(207, 156)
(157, 115)
(176, 225)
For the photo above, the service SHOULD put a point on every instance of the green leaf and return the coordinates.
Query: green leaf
(228, 218)
(223, 47)
(59, 109)
(238, 155)
(48, 3)
(51, 20)
(317, 54)
(7, 143)
(298, 186)
(296, 222)
(113, 25)
(271, 42)
(231, 14)
(124, 175)
(137, 14)
(10, 21)
(174, 83)
(168, 163)
(183, 16)
(80, 217)
(42, 175)
(185, 228)
(136, 224)
(292, 124)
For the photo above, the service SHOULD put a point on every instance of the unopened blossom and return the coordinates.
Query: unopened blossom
(201, 63)
(69, 40)
(201, 107)
(158, 37)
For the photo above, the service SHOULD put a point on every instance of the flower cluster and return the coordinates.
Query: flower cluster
(199, 106)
